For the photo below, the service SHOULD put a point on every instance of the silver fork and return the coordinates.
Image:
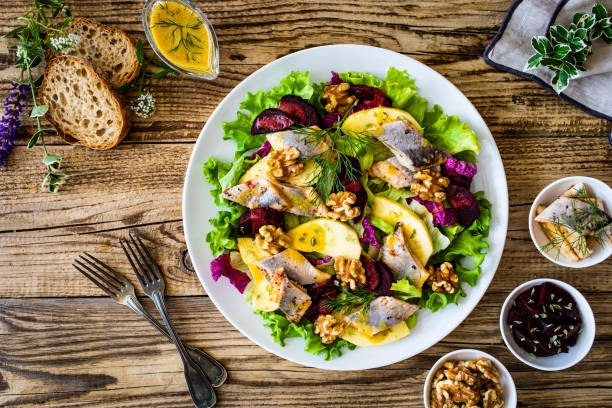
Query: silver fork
(150, 277)
(121, 290)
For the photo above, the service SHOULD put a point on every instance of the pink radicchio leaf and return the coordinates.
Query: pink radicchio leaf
(335, 79)
(262, 151)
(441, 216)
(368, 233)
(222, 266)
(322, 260)
(459, 171)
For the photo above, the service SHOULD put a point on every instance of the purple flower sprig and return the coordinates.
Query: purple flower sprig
(10, 123)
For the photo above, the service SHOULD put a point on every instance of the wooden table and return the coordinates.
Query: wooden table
(63, 344)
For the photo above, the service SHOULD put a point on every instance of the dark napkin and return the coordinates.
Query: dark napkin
(511, 48)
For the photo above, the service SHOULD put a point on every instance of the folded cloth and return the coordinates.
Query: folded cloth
(511, 48)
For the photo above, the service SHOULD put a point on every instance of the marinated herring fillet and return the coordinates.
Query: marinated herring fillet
(392, 172)
(292, 300)
(288, 138)
(255, 194)
(400, 259)
(410, 147)
(383, 313)
(296, 267)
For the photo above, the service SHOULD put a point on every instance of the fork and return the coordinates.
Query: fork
(121, 290)
(152, 282)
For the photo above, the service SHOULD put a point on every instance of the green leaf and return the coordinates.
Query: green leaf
(381, 224)
(608, 34)
(361, 78)
(39, 111)
(586, 22)
(533, 61)
(599, 11)
(577, 44)
(402, 91)
(570, 69)
(558, 34)
(552, 63)
(34, 138)
(577, 18)
(13, 32)
(412, 321)
(51, 159)
(38, 82)
(541, 44)
(560, 51)
(560, 81)
(581, 33)
(139, 51)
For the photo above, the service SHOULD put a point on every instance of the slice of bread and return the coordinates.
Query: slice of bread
(110, 50)
(82, 107)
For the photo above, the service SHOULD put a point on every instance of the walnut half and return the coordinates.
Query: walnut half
(349, 272)
(338, 98)
(443, 278)
(429, 185)
(328, 327)
(342, 206)
(283, 163)
(272, 239)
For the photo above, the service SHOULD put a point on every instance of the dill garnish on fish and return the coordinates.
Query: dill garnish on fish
(347, 301)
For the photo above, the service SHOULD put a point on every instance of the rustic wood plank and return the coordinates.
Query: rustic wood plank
(113, 358)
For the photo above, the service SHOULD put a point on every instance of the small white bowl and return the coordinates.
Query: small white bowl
(559, 361)
(505, 379)
(549, 194)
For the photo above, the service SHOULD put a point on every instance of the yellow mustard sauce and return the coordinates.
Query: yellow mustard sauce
(181, 36)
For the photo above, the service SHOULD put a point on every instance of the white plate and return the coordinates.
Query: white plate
(198, 206)
(549, 194)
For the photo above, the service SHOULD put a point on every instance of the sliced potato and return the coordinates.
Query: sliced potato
(330, 237)
(415, 230)
(371, 120)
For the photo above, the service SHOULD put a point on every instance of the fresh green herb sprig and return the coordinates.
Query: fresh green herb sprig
(192, 44)
(342, 144)
(347, 301)
(566, 50)
(575, 229)
(34, 37)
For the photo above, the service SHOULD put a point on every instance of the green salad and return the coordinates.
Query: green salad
(347, 209)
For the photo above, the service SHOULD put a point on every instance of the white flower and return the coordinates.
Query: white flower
(65, 44)
(144, 105)
(21, 51)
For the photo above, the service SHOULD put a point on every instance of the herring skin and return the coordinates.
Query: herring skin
(410, 148)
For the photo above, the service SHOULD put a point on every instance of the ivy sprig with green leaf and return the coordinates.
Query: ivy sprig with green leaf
(565, 50)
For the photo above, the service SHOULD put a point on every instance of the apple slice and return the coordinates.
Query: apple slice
(415, 230)
(329, 237)
(371, 120)
(363, 340)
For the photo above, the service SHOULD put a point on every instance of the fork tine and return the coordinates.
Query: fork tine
(98, 283)
(146, 256)
(131, 256)
(109, 283)
(104, 269)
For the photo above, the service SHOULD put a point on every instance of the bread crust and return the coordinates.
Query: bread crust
(134, 65)
(64, 134)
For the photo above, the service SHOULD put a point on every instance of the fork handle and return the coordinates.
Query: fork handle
(202, 393)
(215, 372)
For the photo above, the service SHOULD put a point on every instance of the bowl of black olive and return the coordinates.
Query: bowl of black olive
(547, 324)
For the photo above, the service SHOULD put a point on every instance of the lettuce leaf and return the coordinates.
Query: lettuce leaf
(281, 329)
(439, 240)
(404, 290)
(239, 130)
(469, 243)
(448, 133)
(402, 91)
(361, 78)
(225, 224)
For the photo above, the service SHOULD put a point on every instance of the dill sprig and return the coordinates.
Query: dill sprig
(192, 44)
(347, 301)
(330, 164)
(575, 229)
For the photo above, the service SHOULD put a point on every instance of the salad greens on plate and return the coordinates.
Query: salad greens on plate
(347, 209)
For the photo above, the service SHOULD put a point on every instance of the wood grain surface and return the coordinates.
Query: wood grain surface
(64, 345)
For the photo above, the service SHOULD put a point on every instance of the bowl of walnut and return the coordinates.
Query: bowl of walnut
(469, 378)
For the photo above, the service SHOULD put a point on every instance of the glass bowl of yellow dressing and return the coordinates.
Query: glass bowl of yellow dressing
(181, 35)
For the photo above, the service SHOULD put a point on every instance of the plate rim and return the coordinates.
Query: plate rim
(502, 207)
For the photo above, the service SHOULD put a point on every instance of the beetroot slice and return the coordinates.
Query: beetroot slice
(299, 109)
(255, 218)
(320, 292)
(372, 274)
(464, 203)
(384, 288)
(369, 97)
(271, 120)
